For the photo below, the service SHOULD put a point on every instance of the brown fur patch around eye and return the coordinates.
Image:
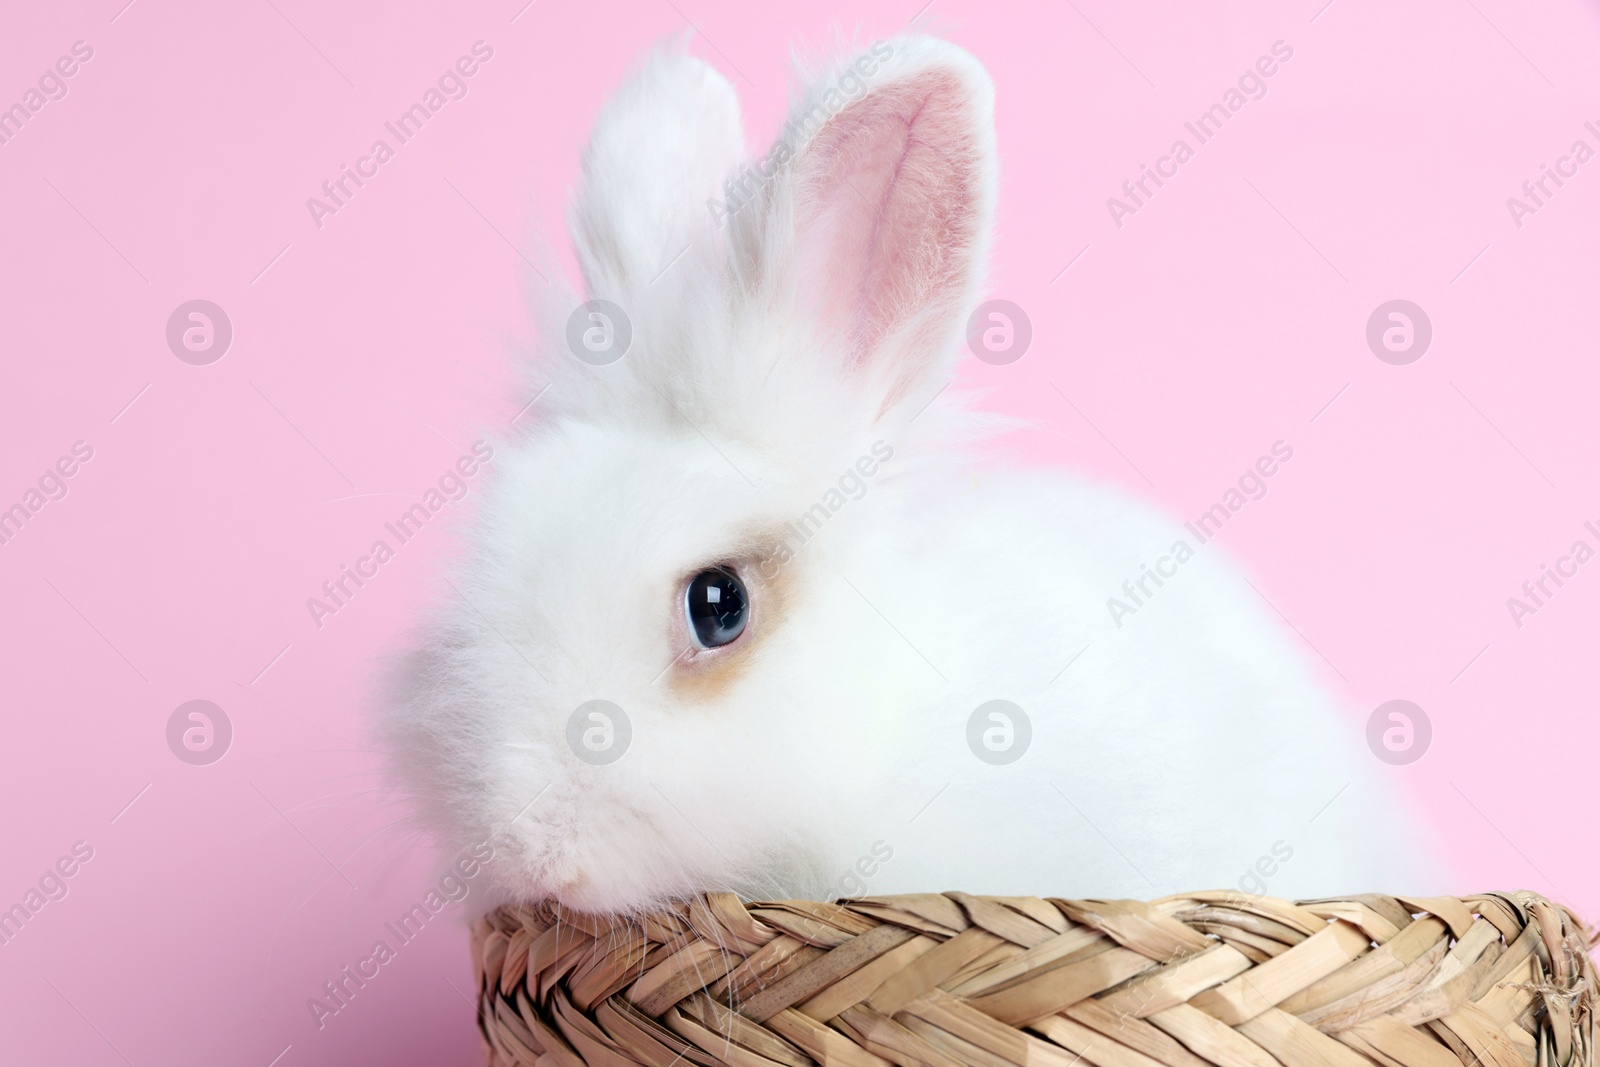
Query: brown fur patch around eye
(767, 572)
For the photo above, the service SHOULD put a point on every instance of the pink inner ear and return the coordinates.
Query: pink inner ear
(886, 210)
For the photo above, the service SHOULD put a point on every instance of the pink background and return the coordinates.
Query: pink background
(1224, 315)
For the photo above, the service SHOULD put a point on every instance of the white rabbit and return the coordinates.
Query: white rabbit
(763, 535)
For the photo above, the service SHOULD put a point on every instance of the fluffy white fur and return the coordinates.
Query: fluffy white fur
(821, 318)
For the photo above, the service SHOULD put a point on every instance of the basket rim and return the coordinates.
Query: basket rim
(1203, 979)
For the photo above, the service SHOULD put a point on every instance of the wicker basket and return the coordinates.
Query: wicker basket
(952, 980)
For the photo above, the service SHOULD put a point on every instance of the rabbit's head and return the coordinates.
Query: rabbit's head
(673, 534)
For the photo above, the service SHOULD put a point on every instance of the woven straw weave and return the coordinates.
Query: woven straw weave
(1500, 980)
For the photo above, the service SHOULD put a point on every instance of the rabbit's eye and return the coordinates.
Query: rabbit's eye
(717, 607)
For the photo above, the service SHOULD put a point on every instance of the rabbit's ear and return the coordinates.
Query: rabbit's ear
(659, 151)
(892, 200)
